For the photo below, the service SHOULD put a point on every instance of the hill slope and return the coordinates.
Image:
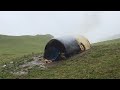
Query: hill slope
(112, 37)
(101, 61)
(16, 46)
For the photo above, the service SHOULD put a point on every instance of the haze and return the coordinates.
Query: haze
(95, 25)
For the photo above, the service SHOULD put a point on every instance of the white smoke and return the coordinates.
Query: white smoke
(109, 25)
(97, 25)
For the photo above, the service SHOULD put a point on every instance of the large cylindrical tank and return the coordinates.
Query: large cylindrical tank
(65, 45)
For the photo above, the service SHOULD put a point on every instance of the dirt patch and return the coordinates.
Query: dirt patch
(24, 65)
(37, 61)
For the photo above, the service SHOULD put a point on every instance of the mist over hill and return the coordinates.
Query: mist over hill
(112, 37)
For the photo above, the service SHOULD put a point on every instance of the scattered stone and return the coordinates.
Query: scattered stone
(4, 66)
(11, 62)
(32, 63)
(47, 61)
(40, 56)
(41, 66)
(35, 58)
(23, 69)
(63, 56)
(20, 73)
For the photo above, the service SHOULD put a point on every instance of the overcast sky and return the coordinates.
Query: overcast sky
(92, 24)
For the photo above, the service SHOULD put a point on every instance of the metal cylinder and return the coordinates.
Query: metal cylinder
(65, 45)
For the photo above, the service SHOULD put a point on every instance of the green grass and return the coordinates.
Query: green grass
(17, 46)
(102, 61)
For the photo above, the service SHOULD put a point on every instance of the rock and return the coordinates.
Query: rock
(11, 62)
(62, 56)
(40, 56)
(4, 66)
(20, 73)
(35, 58)
(47, 61)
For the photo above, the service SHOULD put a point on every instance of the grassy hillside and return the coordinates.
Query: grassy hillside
(17, 46)
(102, 61)
(112, 37)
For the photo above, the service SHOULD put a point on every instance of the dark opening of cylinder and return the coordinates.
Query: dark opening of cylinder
(53, 50)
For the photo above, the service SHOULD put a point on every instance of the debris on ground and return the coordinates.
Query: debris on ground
(23, 67)
(11, 62)
(47, 61)
(4, 66)
(20, 73)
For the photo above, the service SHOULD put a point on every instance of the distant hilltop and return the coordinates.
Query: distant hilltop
(112, 37)
(38, 35)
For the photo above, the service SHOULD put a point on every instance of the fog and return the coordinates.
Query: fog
(109, 25)
(95, 25)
